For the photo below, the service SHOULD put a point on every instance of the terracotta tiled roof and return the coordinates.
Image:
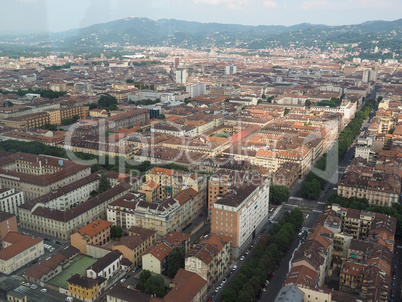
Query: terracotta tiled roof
(125, 294)
(302, 275)
(187, 286)
(18, 247)
(94, 228)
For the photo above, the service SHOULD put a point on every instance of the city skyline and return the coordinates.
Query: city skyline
(57, 15)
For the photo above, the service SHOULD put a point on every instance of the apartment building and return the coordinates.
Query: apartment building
(62, 224)
(221, 182)
(84, 288)
(175, 129)
(68, 196)
(171, 214)
(134, 246)
(187, 287)
(34, 120)
(56, 116)
(351, 276)
(18, 250)
(356, 222)
(155, 258)
(286, 175)
(10, 199)
(8, 223)
(96, 233)
(315, 254)
(241, 213)
(173, 182)
(380, 187)
(125, 294)
(210, 259)
(37, 175)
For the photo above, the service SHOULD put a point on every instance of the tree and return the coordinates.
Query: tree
(92, 106)
(286, 111)
(50, 127)
(296, 218)
(116, 231)
(244, 296)
(311, 189)
(229, 295)
(155, 286)
(107, 102)
(175, 261)
(161, 117)
(278, 194)
(104, 183)
(8, 104)
(144, 276)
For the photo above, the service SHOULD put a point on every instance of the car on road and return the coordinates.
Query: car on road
(33, 286)
(43, 290)
(69, 299)
(241, 258)
(123, 280)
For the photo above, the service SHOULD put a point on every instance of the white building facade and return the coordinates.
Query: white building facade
(10, 199)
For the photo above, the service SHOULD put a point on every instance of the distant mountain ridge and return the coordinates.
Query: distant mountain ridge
(171, 32)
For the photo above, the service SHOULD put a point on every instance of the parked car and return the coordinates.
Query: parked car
(234, 268)
(43, 290)
(241, 258)
(34, 286)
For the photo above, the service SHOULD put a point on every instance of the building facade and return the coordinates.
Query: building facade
(241, 214)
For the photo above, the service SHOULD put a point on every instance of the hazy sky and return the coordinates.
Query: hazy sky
(59, 15)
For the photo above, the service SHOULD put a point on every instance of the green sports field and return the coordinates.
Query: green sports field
(78, 267)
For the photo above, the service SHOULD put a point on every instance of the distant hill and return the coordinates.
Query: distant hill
(171, 32)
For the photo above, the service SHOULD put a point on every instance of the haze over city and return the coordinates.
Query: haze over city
(59, 15)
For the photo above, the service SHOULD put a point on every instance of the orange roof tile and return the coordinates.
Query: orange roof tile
(94, 228)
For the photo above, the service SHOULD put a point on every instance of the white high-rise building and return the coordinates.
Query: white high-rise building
(196, 89)
(230, 69)
(181, 75)
(369, 76)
